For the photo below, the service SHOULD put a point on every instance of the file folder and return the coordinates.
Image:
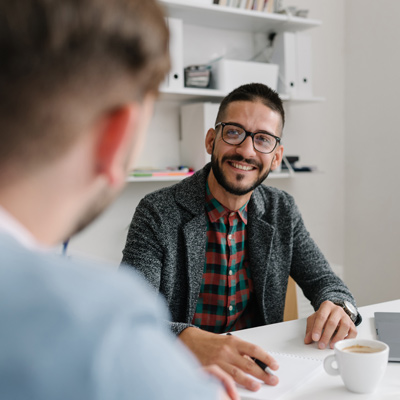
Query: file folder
(175, 78)
(304, 65)
(284, 54)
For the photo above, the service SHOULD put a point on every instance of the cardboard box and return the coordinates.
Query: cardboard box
(230, 74)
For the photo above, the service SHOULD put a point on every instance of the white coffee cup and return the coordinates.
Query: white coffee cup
(361, 371)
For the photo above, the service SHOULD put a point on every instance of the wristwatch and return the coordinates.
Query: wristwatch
(350, 310)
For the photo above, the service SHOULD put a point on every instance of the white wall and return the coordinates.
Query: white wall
(316, 131)
(372, 117)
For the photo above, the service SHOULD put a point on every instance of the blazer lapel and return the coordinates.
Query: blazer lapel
(259, 238)
(191, 197)
(195, 233)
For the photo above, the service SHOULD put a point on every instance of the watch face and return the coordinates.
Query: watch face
(350, 307)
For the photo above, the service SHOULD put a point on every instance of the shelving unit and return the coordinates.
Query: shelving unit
(222, 17)
(133, 179)
(228, 18)
(137, 179)
(189, 94)
(209, 32)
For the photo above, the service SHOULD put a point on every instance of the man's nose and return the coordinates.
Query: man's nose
(246, 149)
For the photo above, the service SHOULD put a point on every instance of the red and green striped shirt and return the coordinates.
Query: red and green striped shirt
(226, 291)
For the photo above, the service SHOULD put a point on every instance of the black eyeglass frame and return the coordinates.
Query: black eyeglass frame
(247, 134)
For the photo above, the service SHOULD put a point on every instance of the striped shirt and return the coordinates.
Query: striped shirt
(226, 287)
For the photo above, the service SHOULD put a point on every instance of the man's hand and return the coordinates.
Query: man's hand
(229, 384)
(231, 354)
(329, 323)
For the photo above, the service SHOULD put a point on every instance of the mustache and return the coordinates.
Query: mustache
(238, 158)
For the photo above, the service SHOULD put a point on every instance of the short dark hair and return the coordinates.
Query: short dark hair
(64, 62)
(253, 92)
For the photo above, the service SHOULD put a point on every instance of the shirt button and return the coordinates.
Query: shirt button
(230, 237)
(230, 308)
(230, 272)
(232, 214)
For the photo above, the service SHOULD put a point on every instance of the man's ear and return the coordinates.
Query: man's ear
(210, 137)
(114, 141)
(276, 161)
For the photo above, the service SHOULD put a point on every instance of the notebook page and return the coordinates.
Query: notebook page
(293, 372)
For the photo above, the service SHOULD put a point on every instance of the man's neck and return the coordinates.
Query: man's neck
(39, 207)
(229, 200)
(10, 226)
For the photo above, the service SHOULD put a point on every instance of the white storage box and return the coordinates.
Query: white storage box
(196, 120)
(229, 74)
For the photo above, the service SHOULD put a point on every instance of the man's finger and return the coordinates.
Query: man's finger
(321, 316)
(309, 327)
(258, 370)
(330, 328)
(240, 377)
(225, 379)
(347, 330)
(249, 366)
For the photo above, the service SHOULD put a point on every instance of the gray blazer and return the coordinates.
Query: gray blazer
(167, 243)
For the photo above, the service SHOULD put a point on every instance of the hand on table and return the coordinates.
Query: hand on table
(229, 384)
(329, 323)
(232, 355)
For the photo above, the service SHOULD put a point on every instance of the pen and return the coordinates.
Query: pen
(262, 365)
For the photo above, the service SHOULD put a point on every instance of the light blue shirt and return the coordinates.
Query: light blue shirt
(72, 330)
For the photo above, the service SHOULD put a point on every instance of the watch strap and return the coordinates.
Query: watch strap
(356, 318)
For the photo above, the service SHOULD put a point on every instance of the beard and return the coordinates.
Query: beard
(235, 187)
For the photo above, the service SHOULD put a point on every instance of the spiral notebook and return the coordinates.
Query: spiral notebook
(293, 372)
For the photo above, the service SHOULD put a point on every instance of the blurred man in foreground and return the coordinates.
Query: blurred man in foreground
(78, 80)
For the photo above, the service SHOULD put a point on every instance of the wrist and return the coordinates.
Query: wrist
(350, 310)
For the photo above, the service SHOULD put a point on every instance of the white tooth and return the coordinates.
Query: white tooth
(243, 167)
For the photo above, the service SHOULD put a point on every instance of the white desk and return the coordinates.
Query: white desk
(288, 337)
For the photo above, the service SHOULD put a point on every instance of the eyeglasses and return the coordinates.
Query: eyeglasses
(235, 134)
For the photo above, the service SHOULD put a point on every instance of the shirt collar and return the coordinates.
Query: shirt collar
(12, 227)
(216, 210)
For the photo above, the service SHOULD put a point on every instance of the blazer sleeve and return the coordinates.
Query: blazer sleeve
(310, 269)
(144, 250)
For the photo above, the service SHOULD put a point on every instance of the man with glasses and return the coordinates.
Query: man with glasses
(220, 246)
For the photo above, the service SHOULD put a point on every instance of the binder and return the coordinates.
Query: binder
(175, 78)
(304, 64)
(284, 54)
(196, 120)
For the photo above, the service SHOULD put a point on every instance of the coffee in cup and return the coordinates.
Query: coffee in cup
(361, 363)
(357, 348)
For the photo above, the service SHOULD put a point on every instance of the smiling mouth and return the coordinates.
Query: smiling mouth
(242, 167)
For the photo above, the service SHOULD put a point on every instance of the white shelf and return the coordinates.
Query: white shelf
(280, 175)
(222, 17)
(156, 178)
(186, 94)
(134, 179)
(310, 99)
